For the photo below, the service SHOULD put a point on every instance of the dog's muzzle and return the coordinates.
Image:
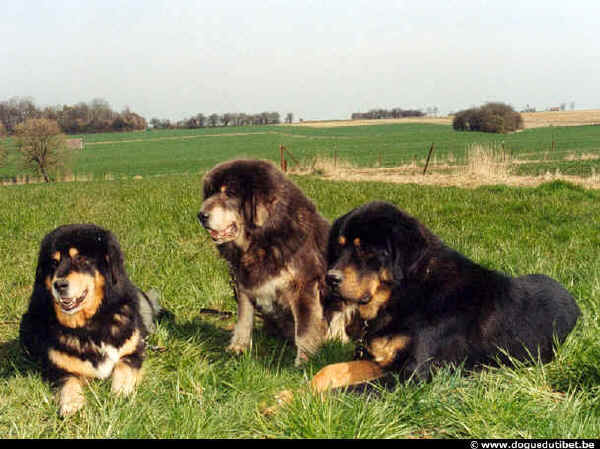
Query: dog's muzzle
(67, 303)
(334, 279)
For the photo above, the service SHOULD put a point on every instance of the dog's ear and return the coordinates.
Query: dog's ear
(249, 204)
(408, 245)
(398, 262)
(114, 258)
(208, 186)
(333, 244)
(271, 221)
(40, 268)
(44, 261)
(40, 303)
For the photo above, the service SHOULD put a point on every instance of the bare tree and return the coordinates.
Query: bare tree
(42, 146)
(289, 118)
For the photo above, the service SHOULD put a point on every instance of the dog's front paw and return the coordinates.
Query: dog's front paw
(72, 406)
(301, 359)
(125, 378)
(238, 347)
(70, 398)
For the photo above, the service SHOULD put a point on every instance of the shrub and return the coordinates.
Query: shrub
(491, 118)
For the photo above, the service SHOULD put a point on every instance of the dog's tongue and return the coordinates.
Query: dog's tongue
(70, 303)
(214, 234)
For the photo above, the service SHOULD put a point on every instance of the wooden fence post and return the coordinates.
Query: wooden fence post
(282, 158)
(428, 157)
(334, 156)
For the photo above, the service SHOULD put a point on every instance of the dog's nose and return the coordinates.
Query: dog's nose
(61, 285)
(334, 278)
(203, 217)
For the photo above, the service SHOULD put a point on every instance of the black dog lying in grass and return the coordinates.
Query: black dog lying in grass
(419, 304)
(86, 319)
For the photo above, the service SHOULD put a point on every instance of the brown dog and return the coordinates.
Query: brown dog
(274, 241)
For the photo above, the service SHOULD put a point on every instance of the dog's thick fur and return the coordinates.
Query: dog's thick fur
(420, 304)
(85, 318)
(275, 242)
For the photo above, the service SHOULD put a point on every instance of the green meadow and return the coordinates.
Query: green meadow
(161, 152)
(193, 389)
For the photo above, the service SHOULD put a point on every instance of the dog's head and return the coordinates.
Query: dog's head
(370, 251)
(239, 197)
(77, 265)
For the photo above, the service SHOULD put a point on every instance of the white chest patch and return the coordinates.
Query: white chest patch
(111, 357)
(267, 296)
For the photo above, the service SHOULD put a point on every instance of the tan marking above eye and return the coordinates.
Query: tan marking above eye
(342, 240)
(73, 252)
(56, 256)
(356, 241)
(223, 189)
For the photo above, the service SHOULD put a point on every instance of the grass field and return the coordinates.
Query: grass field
(193, 389)
(539, 150)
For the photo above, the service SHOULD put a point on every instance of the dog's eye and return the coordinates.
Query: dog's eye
(81, 260)
(53, 264)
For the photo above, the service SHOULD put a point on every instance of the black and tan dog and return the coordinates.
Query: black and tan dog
(420, 304)
(85, 318)
(275, 242)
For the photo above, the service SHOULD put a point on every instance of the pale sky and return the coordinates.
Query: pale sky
(317, 59)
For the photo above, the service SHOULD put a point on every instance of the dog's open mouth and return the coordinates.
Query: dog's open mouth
(229, 233)
(70, 304)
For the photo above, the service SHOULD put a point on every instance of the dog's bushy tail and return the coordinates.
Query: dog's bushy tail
(150, 309)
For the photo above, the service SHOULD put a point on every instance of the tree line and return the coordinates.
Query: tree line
(92, 117)
(387, 113)
(228, 119)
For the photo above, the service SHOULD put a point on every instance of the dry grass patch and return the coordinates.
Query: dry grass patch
(383, 121)
(322, 166)
(561, 118)
(487, 162)
(484, 166)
